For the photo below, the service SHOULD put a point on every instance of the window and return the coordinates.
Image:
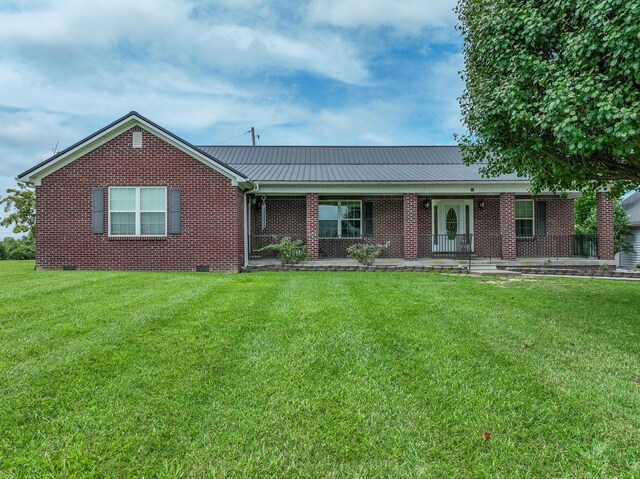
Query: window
(140, 211)
(451, 224)
(524, 218)
(340, 219)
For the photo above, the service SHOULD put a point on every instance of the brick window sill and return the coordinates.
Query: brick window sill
(137, 238)
(350, 238)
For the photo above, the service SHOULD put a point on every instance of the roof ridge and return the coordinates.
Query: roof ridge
(357, 164)
(327, 146)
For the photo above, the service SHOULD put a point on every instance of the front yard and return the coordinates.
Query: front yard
(111, 374)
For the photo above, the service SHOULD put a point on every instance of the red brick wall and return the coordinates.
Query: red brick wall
(606, 235)
(487, 233)
(508, 225)
(286, 216)
(312, 225)
(410, 226)
(559, 216)
(424, 229)
(212, 213)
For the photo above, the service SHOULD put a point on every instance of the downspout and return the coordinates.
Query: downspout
(255, 189)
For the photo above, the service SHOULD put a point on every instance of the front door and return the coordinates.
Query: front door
(452, 226)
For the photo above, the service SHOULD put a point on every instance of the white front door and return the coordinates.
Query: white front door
(452, 225)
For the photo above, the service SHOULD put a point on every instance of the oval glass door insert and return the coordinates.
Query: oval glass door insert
(452, 224)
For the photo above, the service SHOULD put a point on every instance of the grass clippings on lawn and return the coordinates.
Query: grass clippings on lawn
(111, 374)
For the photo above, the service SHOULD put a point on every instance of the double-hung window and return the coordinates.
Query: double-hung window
(137, 211)
(340, 219)
(524, 218)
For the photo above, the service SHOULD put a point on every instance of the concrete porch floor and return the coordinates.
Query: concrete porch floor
(524, 262)
(479, 266)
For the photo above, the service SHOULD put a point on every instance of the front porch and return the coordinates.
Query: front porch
(435, 229)
(476, 266)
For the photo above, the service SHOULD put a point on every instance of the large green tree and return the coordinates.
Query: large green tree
(20, 208)
(585, 212)
(553, 91)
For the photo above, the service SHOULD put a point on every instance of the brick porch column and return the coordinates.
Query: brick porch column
(312, 226)
(508, 225)
(606, 235)
(410, 231)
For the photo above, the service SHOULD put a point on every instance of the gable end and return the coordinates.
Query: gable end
(35, 174)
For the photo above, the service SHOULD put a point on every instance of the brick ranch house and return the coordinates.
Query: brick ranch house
(134, 196)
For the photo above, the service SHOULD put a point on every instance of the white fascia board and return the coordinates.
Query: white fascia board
(439, 188)
(36, 175)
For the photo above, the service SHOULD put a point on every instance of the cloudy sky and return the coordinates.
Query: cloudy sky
(316, 72)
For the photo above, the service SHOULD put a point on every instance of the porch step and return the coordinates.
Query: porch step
(553, 271)
(488, 269)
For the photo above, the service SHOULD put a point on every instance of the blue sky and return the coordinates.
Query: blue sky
(317, 72)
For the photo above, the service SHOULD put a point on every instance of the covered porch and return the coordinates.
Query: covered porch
(500, 227)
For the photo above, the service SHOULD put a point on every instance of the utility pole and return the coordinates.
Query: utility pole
(253, 136)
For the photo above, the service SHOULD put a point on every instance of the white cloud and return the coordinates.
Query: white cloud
(301, 73)
(31, 128)
(406, 16)
(164, 30)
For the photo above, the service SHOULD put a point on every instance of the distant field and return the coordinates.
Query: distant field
(108, 374)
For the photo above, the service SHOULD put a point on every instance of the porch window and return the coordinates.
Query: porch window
(524, 218)
(137, 211)
(340, 219)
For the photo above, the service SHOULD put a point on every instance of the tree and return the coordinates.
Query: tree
(20, 205)
(553, 91)
(21, 248)
(585, 213)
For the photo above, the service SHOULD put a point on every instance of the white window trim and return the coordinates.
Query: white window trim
(339, 220)
(137, 212)
(533, 219)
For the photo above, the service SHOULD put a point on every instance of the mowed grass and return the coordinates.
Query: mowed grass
(112, 374)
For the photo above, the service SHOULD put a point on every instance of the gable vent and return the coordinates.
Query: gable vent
(137, 139)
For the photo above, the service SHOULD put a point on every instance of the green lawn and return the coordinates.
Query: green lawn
(110, 374)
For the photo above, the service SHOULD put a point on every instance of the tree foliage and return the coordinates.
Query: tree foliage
(20, 206)
(17, 248)
(585, 220)
(553, 91)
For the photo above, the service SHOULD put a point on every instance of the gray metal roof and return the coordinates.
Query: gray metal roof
(631, 205)
(350, 163)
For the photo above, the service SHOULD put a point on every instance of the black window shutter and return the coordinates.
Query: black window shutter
(175, 211)
(367, 215)
(541, 217)
(97, 210)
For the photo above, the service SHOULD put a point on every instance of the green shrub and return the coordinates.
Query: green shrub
(289, 251)
(17, 248)
(366, 254)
